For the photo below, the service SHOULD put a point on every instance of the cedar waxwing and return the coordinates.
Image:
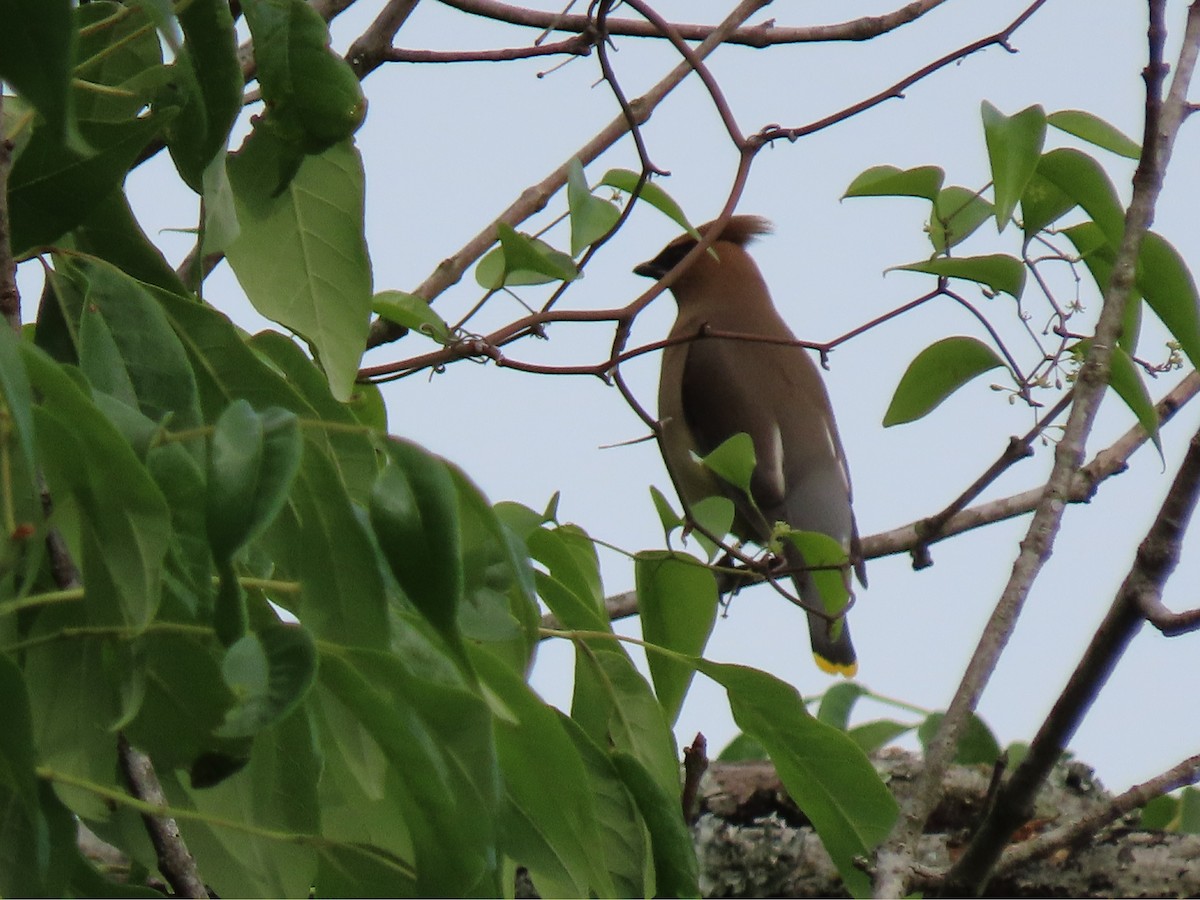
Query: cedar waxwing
(712, 388)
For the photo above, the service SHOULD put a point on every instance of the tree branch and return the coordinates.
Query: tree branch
(1156, 560)
(895, 858)
(535, 197)
(10, 297)
(764, 35)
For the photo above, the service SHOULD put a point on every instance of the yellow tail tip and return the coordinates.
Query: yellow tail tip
(846, 670)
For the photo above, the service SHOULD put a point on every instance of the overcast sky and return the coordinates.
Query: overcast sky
(447, 148)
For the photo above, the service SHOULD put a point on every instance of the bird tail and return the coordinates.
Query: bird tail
(834, 655)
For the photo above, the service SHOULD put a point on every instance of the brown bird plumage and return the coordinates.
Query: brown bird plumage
(713, 388)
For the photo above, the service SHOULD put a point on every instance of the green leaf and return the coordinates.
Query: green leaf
(301, 256)
(889, 181)
(321, 541)
(667, 516)
(1094, 130)
(147, 356)
(626, 180)
(733, 460)
(1100, 256)
(549, 819)
(1042, 204)
(829, 563)
(677, 599)
(616, 708)
(313, 96)
(414, 511)
(1014, 147)
(52, 189)
(1159, 813)
(676, 871)
(521, 259)
(1167, 284)
(115, 51)
(976, 746)
(1083, 180)
(23, 862)
(998, 272)
(125, 525)
(591, 217)
(37, 54)
(252, 464)
(276, 793)
(618, 831)
(208, 75)
(715, 515)
(824, 771)
(350, 449)
(74, 706)
(412, 312)
(872, 736)
(743, 748)
(937, 372)
(111, 232)
(269, 671)
(1124, 378)
(18, 397)
(438, 741)
(1189, 811)
(957, 213)
(838, 702)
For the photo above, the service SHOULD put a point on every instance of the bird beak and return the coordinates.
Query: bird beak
(649, 269)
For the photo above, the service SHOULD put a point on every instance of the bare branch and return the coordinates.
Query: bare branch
(536, 196)
(764, 35)
(1017, 855)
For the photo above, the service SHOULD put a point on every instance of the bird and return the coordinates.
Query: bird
(712, 387)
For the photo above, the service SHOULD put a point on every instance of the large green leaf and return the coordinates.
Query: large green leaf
(149, 356)
(675, 868)
(1084, 180)
(1169, 288)
(321, 540)
(977, 746)
(52, 189)
(1014, 146)
(120, 63)
(37, 53)
(677, 599)
(252, 464)
(23, 858)
(414, 511)
(437, 737)
(124, 519)
(313, 96)
(269, 671)
(209, 77)
(937, 372)
(824, 771)
(548, 822)
(277, 792)
(301, 256)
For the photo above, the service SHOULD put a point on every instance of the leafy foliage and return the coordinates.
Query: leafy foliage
(319, 633)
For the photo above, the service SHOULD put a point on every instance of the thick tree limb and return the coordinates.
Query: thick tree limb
(10, 298)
